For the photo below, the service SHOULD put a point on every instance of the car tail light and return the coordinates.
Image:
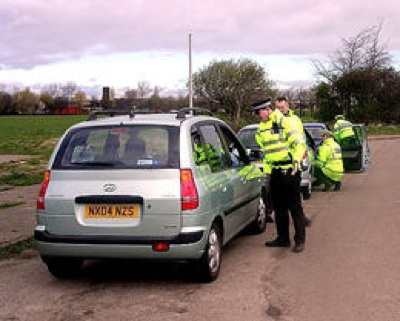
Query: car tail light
(160, 247)
(305, 155)
(189, 196)
(42, 192)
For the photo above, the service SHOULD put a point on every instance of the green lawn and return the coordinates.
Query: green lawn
(33, 135)
(30, 135)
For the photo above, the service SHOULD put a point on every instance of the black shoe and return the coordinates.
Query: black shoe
(277, 243)
(307, 221)
(337, 187)
(298, 248)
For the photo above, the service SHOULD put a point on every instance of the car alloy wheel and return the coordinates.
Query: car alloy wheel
(259, 224)
(210, 263)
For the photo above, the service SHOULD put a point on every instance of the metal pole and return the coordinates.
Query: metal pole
(190, 73)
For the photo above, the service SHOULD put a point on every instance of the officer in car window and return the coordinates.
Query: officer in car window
(343, 131)
(283, 151)
(296, 124)
(329, 165)
(205, 153)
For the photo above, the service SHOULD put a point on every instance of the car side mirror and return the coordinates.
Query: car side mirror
(255, 154)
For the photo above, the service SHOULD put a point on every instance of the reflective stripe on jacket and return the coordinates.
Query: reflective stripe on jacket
(280, 141)
(330, 159)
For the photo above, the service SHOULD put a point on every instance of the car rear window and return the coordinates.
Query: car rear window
(121, 146)
(315, 132)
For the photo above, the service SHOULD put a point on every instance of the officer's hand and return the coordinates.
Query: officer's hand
(295, 168)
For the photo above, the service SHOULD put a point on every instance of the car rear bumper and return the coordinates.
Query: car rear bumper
(182, 246)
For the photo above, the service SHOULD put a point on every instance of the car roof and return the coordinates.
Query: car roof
(167, 119)
(251, 126)
(321, 125)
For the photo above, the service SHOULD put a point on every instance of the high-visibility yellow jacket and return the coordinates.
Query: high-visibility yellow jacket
(280, 141)
(207, 154)
(330, 159)
(296, 124)
(342, 129)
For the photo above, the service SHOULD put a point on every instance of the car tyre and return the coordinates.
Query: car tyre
(63, 268)
(210, 263)
(259, 224)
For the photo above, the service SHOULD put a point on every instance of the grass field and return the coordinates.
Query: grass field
(33, 135)
(30, 135)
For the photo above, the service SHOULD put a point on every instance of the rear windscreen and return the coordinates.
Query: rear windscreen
(139, 146)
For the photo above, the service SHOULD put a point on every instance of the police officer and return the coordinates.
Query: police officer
(296, 123)
(329, 166)
(283, 151)
(343, 131)
(205, 153)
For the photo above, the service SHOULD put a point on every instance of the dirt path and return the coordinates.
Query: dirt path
(15, 158)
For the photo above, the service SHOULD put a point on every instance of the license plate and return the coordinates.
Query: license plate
(112, 211)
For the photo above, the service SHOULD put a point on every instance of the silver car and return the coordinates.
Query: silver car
(133, 186)
(247, 136)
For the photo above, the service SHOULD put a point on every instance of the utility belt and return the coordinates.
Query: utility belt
(282, 166)
(280, 163)
(281, 170)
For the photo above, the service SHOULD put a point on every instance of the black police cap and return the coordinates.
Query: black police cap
(262, 104)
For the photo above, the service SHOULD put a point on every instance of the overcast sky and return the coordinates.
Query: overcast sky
(97, 43)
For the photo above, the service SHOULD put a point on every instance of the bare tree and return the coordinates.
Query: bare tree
(68, 89)
(53, 89)
(363, 51)
(143, 89)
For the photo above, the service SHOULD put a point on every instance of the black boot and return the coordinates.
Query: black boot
(337, 187)
(278, 243)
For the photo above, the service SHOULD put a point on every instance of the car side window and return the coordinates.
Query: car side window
(237, 154)
(208, 148)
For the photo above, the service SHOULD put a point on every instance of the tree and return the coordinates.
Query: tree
(80, 98)
(155, 100)
(47, 99)
(360, 52)
(6, 107)
(25, 101)
(68, 90)
(54, 90)
(232, 85)
(355, 76)
(143, 89)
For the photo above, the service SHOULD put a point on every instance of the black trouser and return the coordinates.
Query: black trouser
(285, 189)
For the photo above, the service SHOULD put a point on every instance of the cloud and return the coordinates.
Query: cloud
(39, 33)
